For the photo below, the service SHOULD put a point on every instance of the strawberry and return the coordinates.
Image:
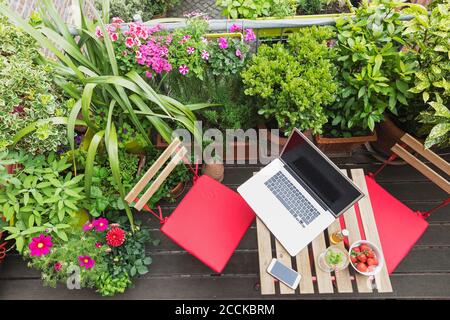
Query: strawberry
(361, 267)
(353, 259)
(362, 257)
(356, 249)
(372, 261)
(364, 247)
(370, 254)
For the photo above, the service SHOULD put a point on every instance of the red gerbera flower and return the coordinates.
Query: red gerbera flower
(115, 237)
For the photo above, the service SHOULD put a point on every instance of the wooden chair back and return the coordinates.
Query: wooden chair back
(429, 155)
(179, 152)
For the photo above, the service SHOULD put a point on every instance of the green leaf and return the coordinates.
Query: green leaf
(90, 161)
(38, 197)
(378, 62)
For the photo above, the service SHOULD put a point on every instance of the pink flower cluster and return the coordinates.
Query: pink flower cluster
(100, 225)
(249, 35)
(223, 43)
(154, 55)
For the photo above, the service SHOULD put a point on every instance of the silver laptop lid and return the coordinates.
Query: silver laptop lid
(319, 173)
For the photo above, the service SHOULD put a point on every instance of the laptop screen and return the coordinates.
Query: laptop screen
(321, 176)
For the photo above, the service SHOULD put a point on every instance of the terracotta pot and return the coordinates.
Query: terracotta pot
(214, 170)
(388, 134)
(177, 190)
(342, 147)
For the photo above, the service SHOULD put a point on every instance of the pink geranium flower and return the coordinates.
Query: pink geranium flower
(148, 74)
(223, 43)
(129, 42)
(86, 261)
(184, 69)
(235, 28)
(98, 32)
(40, 246)
(88, 226)
(249, 35)
(100, 224)
(205, 55)
(114, 36)
(185, 38)
(190, 50)
(238, 53)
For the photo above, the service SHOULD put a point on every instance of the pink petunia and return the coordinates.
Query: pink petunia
(86, 261)
(235, 28)
(223, 43)
(114, 36)
(184, 69)
(129, 42)
(88, 226)
(249, 35)
(190, 50)
(238, 53)
(138, 55)
(100, 224)
(40, 246)
(98, 32)
(205, 55)
(204, 40)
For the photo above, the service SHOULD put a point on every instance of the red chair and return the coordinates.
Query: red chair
(400, 227)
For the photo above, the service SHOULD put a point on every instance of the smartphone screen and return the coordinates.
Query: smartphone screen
(284, 273)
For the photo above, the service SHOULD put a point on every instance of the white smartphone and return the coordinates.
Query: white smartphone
(289, 277)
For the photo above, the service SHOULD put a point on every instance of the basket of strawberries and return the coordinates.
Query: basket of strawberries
(366, 258)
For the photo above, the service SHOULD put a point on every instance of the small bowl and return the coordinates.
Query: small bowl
(377, 253)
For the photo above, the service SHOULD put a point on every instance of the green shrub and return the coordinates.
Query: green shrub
(256, 8)
(374, 73)
(428, 38)
(147, 9)
(27, 94)
(295, 81)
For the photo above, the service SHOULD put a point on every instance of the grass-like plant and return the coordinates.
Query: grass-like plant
(87, 70)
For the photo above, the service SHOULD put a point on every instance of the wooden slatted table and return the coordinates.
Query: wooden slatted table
(313, 278)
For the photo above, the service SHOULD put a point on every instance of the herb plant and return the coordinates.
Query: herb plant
(40, 197)
(427, 37)
(294, 82)
(256, 8)
(374, 73)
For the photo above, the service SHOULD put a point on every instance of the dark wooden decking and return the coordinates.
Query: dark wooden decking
(174, 274)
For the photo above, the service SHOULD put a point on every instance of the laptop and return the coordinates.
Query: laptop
(299, 194)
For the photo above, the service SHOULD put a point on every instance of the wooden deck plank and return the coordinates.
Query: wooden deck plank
(370, 228)
(264, 257)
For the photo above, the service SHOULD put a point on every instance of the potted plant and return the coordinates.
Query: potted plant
(374, 75)
(293, 82)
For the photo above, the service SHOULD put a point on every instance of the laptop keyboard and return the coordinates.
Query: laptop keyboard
(302, 210)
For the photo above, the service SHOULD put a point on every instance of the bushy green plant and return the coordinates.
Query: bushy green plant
(436, 121)
(311, 6)
(42, 195)
(27, 94)
(428, 36)
(256, 8)
(295, 81)
(374, 73)
(147, 9)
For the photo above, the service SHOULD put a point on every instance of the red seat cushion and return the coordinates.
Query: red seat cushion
(399, 227)
(209, 222)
